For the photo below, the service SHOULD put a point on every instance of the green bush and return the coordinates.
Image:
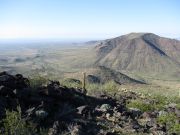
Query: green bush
(161, 101)
(140, 105)
(175, 129)
(170, 119)
(37, 81)
(178, 106)
(94, 88)
(13, 124)
(176, 99)
(167, 118)
(110, 86)
(70, 82)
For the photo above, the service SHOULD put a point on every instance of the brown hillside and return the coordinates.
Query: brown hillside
(143, 52)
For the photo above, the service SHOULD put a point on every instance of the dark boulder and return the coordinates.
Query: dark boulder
(72, 80)
(5, 91)
(93, 79)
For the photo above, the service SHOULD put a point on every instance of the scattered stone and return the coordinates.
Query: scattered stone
(41, 114)
(134, 112)
(105, 107)
(30, 111)
(161, 113)
(69, 110)
(171, 105)
(77, 130)
(54, 129)
(85, 111)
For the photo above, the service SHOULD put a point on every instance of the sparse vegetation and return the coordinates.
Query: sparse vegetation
(70, 82)
(37, 81)
(110, 86)
(14, 124)
(53, 105)
(144, 107)
(171, 122)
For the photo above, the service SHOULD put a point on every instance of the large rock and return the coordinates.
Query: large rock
(41, 114)
(93, 79)
(134, 112)
(105, 107)
(13, 82)
(5, 91)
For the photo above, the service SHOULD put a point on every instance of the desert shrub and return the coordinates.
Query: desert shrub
(13, 124)
(37, 81)
(167, 118)
(71, 85)
(175, 129)
(170, 119)
(92, 87)
(140, 105)
(69, 82)
(161, 101)
(110, 86)
(175, 100)
(178, 106)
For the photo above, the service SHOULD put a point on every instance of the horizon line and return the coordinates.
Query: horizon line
(75, 38)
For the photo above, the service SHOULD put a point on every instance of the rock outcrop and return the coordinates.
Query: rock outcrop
(67, 110)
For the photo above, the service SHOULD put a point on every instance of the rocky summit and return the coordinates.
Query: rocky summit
(55, 109)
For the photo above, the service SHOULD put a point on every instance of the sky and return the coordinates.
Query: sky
(87, 19)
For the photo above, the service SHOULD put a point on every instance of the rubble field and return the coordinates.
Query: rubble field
(54, 109)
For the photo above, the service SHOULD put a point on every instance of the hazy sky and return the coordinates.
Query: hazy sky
(87, 19)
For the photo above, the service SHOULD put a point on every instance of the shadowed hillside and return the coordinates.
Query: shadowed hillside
(107, 74)
(101, 74)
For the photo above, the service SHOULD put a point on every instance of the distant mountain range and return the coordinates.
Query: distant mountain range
(139, 52)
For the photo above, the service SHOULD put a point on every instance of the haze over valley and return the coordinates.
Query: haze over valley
(144, 57)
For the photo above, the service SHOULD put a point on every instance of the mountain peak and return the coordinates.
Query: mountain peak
(134, 35)
(140, 52)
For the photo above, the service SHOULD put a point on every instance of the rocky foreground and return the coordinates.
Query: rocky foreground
(56, 109)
